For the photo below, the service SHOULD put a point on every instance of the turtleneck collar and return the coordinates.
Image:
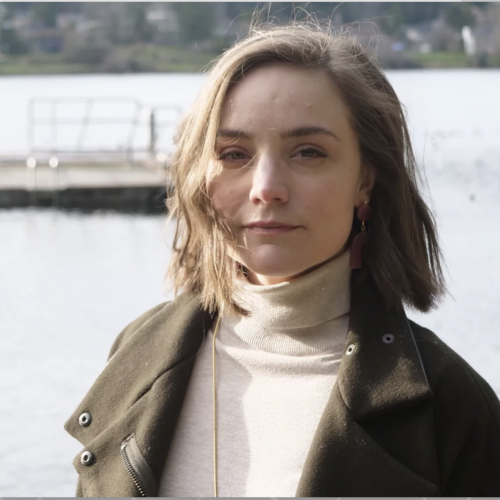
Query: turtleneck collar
(296, 317)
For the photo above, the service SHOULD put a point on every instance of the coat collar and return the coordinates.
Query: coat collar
(374, 379)
(163, 344)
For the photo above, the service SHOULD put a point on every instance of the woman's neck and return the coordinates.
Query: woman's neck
(259, 279)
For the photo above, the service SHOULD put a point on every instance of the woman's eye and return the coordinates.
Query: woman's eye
(311, 153)
(232, 155)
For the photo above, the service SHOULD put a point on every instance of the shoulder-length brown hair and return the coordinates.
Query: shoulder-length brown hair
(402, 253)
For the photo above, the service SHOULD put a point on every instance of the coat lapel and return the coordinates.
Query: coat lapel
(380, 375)
(376, 378)
(139, 392)
(344, 460)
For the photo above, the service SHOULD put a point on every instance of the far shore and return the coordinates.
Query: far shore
(188, 61)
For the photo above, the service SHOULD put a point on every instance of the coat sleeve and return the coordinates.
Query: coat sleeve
(476, 467)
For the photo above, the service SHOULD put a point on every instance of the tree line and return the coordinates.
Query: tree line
(128, 22)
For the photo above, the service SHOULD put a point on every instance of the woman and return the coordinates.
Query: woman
(287, 366)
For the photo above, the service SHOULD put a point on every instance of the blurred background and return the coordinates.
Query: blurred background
(90, 94)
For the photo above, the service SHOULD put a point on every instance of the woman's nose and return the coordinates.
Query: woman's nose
(269, 183)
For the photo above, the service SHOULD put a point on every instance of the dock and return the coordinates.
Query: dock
(136, 186)
(85, 169)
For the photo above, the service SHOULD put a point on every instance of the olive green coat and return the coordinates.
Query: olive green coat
(405, 418)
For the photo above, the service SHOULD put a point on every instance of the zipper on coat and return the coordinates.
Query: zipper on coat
(137, 467)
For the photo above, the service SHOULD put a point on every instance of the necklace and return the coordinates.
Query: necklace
(215, 407)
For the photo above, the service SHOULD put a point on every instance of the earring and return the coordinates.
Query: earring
(363, 213)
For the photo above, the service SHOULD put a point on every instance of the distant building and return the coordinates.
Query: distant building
(469, 41)
(486, 32)
(46, 40)
(164, 19)
(226, 28)
(19, 22)
(71, 20)
(39, 38)
(431, 36)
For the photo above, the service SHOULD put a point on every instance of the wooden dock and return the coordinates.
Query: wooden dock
(122, 186)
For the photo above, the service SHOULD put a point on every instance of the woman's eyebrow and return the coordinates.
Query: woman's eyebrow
(234, 134)
(296, 132)
(303, 131)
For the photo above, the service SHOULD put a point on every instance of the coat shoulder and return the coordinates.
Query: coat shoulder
(182, 306)
(135, 325)
(466, 419)
(446, 369)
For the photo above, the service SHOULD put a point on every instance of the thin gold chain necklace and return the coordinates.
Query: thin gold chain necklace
(215, 407)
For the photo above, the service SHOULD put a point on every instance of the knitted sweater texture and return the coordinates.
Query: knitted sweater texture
(275, 372)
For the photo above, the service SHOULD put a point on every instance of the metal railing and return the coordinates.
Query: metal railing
(55, 154)
(79, 149)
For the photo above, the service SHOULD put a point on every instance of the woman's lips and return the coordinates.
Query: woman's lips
(270, 230)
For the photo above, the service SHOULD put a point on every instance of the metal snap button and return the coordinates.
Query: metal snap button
(84, 419)
(388, 338)
(86, 458)
(350, 349)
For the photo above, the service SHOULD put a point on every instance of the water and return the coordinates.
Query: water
(69, 282)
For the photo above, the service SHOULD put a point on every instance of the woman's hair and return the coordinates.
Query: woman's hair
(402, 253)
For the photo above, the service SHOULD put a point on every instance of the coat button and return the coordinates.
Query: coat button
(388, 338)
(84, 419)
(86, 458)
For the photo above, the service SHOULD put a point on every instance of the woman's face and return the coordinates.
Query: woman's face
(290, 157)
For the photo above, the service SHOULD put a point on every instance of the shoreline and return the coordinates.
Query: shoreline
(189, 62)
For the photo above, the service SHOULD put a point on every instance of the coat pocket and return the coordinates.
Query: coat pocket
(137, 467)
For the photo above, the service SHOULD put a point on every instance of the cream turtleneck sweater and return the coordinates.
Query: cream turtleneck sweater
(275, 372)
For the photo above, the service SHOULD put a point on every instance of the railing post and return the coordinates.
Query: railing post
(152, 132)
(54, 166)
(31, 185)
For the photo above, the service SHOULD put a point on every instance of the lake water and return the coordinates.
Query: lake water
(69, 282)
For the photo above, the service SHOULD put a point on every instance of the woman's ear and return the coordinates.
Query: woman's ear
(367, 177)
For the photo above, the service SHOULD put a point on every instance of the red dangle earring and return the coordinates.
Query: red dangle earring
(364, 213)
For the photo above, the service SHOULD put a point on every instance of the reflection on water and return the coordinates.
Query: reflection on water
(69, 282)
